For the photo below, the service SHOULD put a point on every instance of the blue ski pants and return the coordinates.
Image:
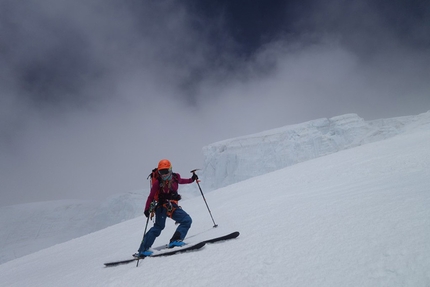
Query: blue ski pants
(179, 215)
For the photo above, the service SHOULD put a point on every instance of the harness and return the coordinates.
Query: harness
(171, 206)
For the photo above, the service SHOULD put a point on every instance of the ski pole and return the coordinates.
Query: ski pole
(146, 226)
(143, 238)
(210, 213)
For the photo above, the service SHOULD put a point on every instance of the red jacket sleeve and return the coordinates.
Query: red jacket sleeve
(184, 180)
(151, 194)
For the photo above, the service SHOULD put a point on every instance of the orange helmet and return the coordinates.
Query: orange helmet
(165, 169)
(164, 164)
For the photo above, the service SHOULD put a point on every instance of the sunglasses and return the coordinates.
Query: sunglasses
(164, 171)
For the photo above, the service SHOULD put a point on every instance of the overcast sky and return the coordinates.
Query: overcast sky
(95, 92)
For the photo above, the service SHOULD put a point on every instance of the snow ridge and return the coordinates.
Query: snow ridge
(233, 160)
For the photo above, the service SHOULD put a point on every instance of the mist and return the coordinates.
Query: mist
(95, 93)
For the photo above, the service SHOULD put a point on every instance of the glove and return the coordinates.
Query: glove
(146, 212)
(175, 196)
(194, 177)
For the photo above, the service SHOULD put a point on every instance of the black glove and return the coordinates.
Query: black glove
(175, 196)
(146, 212)
(194, 177)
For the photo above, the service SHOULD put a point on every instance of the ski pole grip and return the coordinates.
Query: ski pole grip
(194, 172)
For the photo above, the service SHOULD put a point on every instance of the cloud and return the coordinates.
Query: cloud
(94, 93)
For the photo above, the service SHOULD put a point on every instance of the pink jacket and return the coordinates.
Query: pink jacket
(166, 189)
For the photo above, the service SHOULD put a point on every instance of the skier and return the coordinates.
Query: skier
(164, 192)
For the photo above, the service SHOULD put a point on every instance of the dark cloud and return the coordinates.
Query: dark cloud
(367, 28)
(95, 92)
(46, 54)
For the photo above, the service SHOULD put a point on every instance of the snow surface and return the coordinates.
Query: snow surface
(357, 217)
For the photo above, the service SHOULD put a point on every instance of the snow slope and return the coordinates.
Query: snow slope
(358, 217)
(226, 162)
(27, 228)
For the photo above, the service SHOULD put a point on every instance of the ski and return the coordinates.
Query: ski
(232, 235)
(178, 250)
(168, 253)
(116, 263)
